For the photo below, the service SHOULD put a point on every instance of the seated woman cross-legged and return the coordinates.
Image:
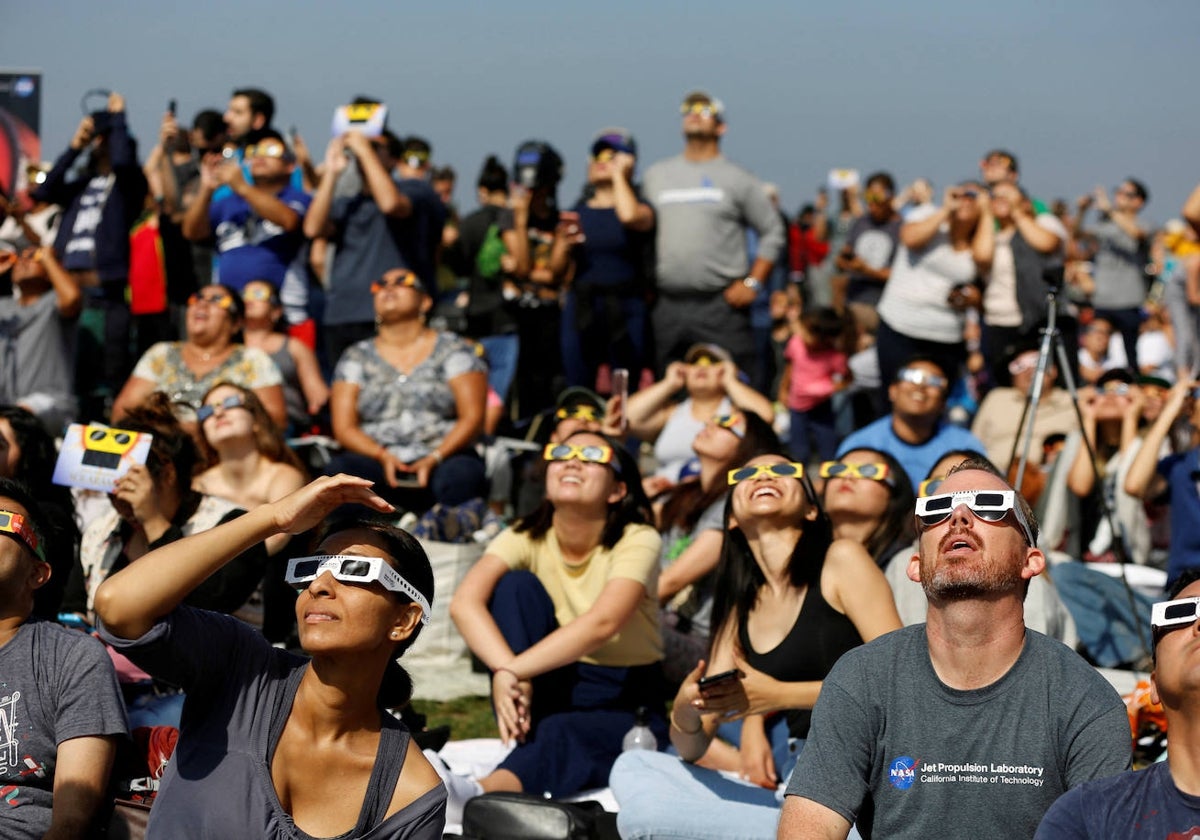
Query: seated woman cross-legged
(562, 609)
(272, 744)
(789, 601)
(408, 404)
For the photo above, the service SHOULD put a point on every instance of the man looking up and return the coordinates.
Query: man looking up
(61, 712)
(970, 725)
(1164, 799)
(257, 225)
(703, 204)
(1120, 259)
(364, 228)
(916, 432)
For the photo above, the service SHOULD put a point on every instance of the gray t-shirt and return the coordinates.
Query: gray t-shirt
(1120, 262)
(703, 209)
(240, 691)
(367, 244)
(37, 350)
(894, 748)
(697, 605)
(55, 684)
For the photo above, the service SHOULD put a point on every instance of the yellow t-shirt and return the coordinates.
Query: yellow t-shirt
(573, 588)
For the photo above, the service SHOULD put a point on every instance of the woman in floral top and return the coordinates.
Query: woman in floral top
(186, 370)
(408, 404)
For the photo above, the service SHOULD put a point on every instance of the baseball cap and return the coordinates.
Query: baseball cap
(1115, 375)
(617, 139)
(578, 395)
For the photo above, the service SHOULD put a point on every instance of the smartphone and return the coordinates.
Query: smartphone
(620, 394)
(171, 107)
(404, 479)
(719, 679)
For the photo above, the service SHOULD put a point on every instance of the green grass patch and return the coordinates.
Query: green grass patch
(468, 717)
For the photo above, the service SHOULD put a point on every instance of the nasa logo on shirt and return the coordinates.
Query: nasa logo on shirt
(902, 772)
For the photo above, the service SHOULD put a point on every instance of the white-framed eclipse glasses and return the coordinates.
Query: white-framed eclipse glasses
(350, 568)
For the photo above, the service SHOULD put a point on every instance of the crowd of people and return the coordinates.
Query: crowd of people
(821, 479)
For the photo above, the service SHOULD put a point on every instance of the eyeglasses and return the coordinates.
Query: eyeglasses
(735, 423)
(987, 505)
(406, 279)
(15, 524)
(1022, 364)
(221, 300)
(258, 293)
(873, 471)
(789, 469)
(589, 453)
(266, 150)
(916, 376)
(702, 109)
(1166, 616)
(579, 411)
(232, 401)
(302, 571)
(930, 485)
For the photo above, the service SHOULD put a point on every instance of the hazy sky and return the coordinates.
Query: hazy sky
(1085, 93)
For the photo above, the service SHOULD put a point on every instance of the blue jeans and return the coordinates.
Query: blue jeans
(502, 361)
(664, 797)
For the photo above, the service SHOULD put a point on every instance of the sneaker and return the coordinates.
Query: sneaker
(459, 789)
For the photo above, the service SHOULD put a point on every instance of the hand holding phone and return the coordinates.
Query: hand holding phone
(620, 395)
(710, 682)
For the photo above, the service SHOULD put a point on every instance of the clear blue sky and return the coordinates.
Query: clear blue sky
(1084, 92)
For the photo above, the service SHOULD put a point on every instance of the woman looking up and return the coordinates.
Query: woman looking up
(257, 719)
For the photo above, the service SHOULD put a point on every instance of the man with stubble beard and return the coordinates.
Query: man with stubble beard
(969, 725)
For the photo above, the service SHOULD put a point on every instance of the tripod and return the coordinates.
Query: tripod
(1052, 339)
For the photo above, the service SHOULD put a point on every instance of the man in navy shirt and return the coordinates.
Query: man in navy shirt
(1163, 800)
(257, 226)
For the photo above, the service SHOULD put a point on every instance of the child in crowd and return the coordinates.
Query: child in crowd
(816, 366)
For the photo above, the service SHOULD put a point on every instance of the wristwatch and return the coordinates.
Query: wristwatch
(752, 283)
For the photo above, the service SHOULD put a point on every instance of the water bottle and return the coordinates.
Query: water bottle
(640, 737)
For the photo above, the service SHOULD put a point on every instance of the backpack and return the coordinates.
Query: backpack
(487, 261)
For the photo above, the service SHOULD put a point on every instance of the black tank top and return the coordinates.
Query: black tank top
(819, 637)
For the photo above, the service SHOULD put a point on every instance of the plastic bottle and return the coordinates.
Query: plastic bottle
(640, 737)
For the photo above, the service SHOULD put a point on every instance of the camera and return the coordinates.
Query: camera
(537, 166)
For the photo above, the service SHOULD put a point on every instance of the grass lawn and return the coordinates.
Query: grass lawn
(468, 717)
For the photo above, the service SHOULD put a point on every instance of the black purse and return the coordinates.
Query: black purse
(523, 816)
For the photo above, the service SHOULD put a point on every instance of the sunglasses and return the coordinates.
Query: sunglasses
(1116, 389)
(15, 524)
(873, 471)
(788, 469)
(704, 360)
(302, 571)
(406, 279)
(259, 293)
(987, 505)
(930, 485)
(589, 453)
(1166, 616)
(733, 422)
(232, 401)
(272, 150)
(916, 376)
(703, 109)
(224, 301)
(579, 411)
(604, 155)
(1022, 365)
